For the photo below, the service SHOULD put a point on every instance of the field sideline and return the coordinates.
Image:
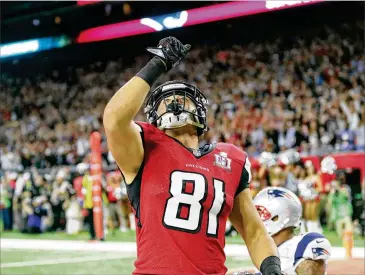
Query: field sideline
(29, 256)
(130, 236)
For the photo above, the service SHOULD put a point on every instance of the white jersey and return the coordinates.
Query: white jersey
(313, 246)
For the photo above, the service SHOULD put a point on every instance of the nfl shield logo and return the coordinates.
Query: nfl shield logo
(223, 161)
(197, 153)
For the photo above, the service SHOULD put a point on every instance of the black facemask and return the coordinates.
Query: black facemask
(175, 107)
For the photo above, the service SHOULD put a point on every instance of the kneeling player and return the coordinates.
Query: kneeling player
(281, 212)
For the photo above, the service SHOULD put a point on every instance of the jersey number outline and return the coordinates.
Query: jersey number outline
(193, 201)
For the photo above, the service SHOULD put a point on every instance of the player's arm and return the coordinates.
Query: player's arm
(311, 267)
(247, 222)
(123, 135)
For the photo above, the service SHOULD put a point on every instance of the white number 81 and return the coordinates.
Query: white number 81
(193, 201)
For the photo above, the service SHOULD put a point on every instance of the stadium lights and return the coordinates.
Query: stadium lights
(85, 2)
(191, 17)
(19, 48)
(152, 23)
(32, 46)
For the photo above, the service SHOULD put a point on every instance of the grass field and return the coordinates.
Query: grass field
(66, 262)
(131, 237)
(36, 254)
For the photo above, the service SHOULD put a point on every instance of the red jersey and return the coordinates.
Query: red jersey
(182, 200)
(326, 182)
(110, 193)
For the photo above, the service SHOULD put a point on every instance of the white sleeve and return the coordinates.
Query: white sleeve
(313, 246)
(19, 185)
(346, 110)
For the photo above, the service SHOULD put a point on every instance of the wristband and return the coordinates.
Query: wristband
(271, 266)
(152, 71)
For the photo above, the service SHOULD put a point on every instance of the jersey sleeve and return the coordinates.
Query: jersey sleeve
(150, 134)
(245, 176)
(313, 246)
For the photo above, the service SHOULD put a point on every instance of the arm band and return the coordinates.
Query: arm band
(271, 266)
(152, 71)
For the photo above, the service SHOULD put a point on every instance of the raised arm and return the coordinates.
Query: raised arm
(123, 135)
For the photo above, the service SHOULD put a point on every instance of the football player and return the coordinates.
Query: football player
(181, 194)
(281, 212)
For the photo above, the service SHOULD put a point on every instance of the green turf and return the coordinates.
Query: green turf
(330, 235)
(130, 237)
(107, 266)
(16, 255)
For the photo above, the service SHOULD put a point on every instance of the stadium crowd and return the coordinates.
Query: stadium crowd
(265, 97)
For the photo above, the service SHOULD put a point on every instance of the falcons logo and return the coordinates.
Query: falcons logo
(319, 251)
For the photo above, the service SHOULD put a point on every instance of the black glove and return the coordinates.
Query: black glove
(171, 51)
(271, 266)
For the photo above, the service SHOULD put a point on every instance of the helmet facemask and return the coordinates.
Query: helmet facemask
(177, 112)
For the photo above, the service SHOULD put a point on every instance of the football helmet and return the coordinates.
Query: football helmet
(278, 208)
(177, 114)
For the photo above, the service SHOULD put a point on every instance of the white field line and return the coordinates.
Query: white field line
(59, 245)
(231, 250)
(64, 261)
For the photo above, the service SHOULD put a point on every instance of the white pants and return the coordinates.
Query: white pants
(73, 226)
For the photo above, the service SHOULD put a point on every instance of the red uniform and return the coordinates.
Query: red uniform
(326, 182)
(182, 201)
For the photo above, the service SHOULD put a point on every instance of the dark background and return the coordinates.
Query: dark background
(17, 25)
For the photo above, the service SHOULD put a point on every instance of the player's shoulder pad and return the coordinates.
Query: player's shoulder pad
(313, 246)
(150, 134)
(233, 152)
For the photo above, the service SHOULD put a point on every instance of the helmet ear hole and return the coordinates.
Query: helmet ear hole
(274, 219)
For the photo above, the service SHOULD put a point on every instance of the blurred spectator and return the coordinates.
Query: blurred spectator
(114, 194)
(88, 203)
(309, 195)
(5, 203)
(360, 134)
(74, 219)
(60, 193)
(303, 95)
(339, 203)
(9, 160)
(35, 210)
(256, 183)
(292, 177)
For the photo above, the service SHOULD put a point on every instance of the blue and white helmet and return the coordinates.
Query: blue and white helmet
(278, 208)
